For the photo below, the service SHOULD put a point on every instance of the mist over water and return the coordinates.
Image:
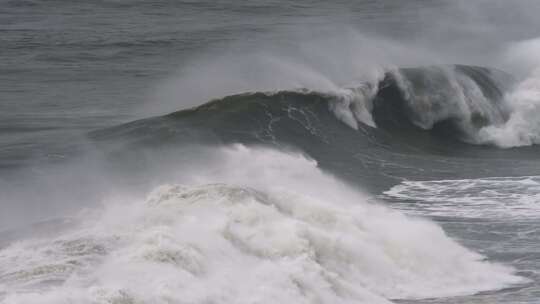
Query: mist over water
(307, 152)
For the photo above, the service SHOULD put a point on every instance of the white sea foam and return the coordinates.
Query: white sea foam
(499, 197)
(275, 229)
(523, 126)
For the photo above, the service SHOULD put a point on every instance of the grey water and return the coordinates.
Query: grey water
(74, 71)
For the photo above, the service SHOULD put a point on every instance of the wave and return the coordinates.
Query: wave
(374, 134)
(273, 228)
(474, 105)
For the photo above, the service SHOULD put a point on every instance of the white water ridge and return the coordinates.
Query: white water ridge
(496, 197)
(260, 226)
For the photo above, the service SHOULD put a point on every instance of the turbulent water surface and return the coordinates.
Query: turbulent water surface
(269, 151)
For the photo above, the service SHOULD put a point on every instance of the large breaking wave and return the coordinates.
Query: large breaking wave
(471, 104)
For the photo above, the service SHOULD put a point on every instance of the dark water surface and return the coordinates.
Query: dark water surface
(97, 96)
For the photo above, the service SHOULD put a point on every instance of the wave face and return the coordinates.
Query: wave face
(375, 133)
(450, 102)
(278, 230)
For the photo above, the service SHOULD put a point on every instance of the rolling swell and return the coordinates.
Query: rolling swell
(420, 118)
(451, 101)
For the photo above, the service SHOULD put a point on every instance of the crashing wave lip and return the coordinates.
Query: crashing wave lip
(494, 197)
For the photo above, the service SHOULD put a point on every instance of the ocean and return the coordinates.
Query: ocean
(369, 151)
